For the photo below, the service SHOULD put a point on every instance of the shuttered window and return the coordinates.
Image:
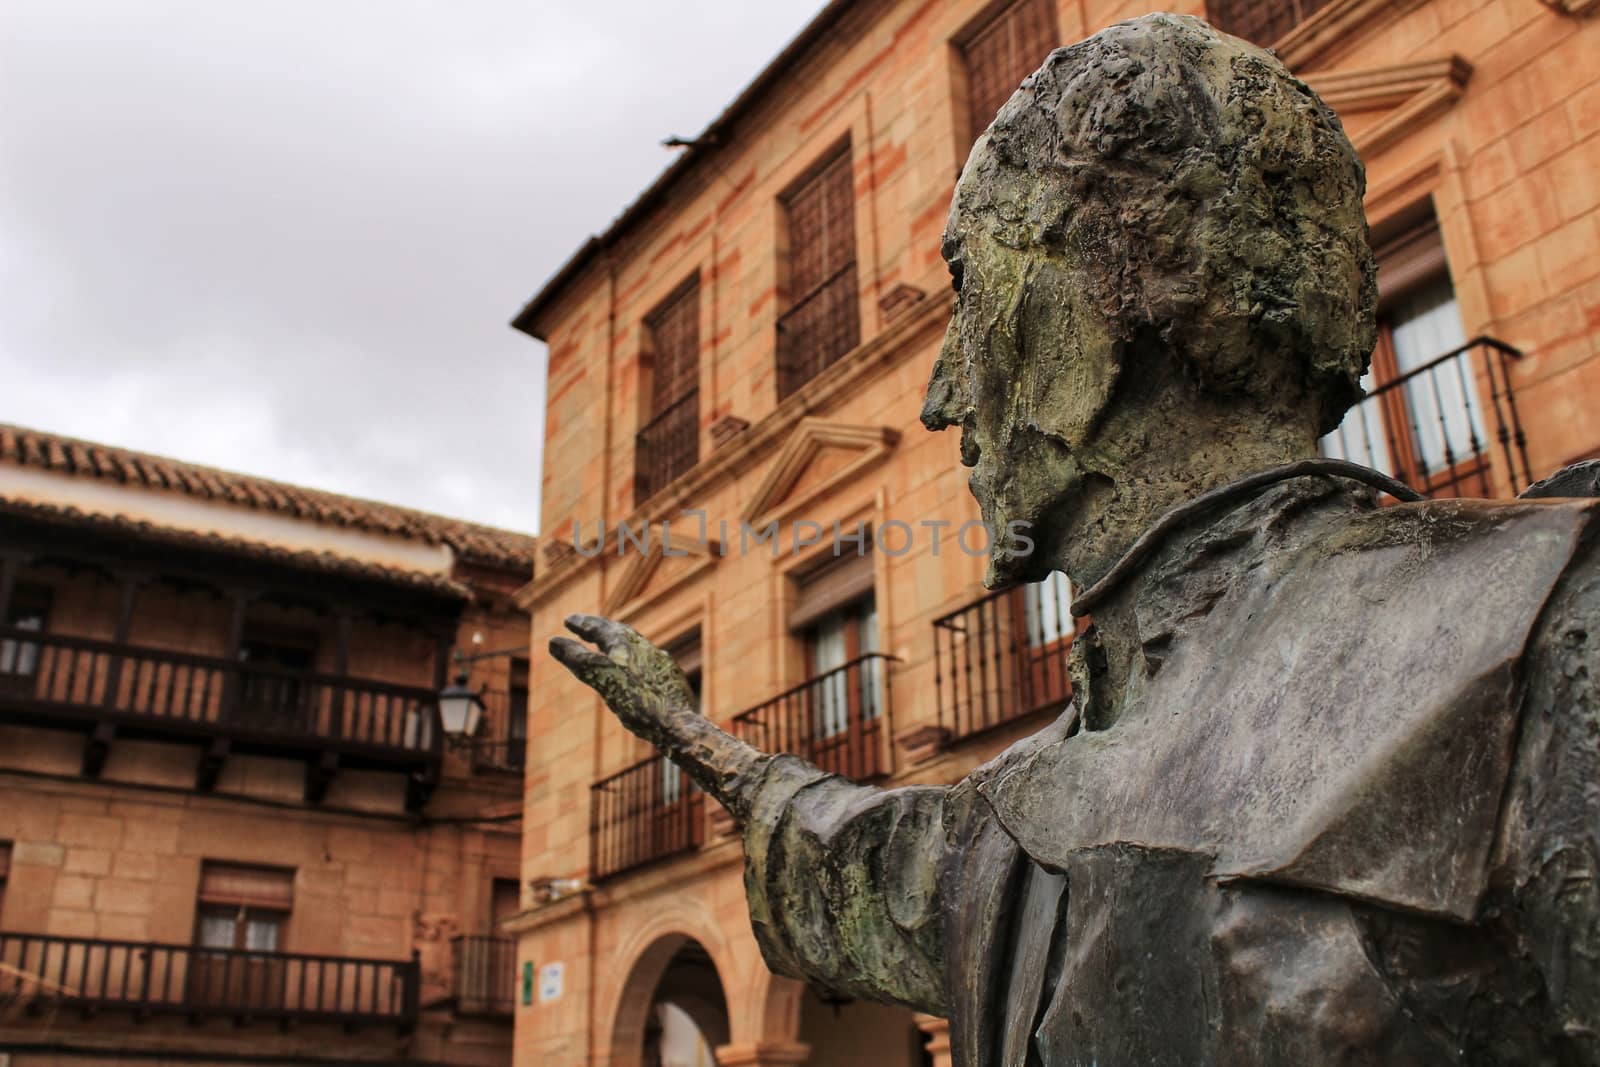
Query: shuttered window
(668, 443)
(234, 885)
(823, 320)
(1262, 22)
(241, 908)
(1006, 49)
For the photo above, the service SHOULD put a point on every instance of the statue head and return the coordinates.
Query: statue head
(1163, 276)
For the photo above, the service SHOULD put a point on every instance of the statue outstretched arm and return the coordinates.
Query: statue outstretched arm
(842, 879)
(648, 691)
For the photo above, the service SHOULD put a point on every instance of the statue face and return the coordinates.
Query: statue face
(1025, 370)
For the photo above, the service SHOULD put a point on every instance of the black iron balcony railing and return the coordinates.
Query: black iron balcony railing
(485, 974)
(1447, 428)
(643, 813)
(835, 720)
(667, 446)
(1001, 657)
(55, 680)
(818, 329)
(40, 972)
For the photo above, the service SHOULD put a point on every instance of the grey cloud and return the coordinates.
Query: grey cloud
(286, 238)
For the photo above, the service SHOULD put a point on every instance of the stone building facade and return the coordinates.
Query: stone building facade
(748, 345)
(232, 829)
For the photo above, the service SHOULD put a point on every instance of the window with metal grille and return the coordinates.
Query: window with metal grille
(1262, 22)
(669, 442)
(1001, 52)
(1422, 419)
(824, 319)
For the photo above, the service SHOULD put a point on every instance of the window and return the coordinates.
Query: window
(242, 907)
(836, 615)
(1422, 420)
(517, 715)
(823, 320)
(687, 654)
(1262, 22)
(669, 442)
(239, 918)
(19, 659)
(1047, 610)
(505, 900)
(272, 690)
(1002, 52)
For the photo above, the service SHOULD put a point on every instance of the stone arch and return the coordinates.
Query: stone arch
(775, 1003)
(646, 957)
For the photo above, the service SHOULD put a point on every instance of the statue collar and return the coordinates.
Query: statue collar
(1233, 491)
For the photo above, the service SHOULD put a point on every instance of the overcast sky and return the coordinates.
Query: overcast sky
(286, 238)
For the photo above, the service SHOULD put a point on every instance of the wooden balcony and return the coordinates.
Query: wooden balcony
(41, 973)
(835, 720)
(1000, 658)
(110, 690)
(641, 814)
(485, 975)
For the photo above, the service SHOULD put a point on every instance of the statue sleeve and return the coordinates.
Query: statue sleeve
(842, 881)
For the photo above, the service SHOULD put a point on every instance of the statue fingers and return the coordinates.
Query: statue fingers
(617, 640)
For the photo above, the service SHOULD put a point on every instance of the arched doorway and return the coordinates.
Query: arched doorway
(860, 1033)
(673, 1011)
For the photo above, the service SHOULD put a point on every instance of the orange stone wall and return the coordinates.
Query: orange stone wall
(120, 857)
(1506, 143)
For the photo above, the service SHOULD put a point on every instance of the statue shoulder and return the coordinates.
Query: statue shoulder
(1580, 479)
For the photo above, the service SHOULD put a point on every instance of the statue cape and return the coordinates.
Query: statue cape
(1342, 718)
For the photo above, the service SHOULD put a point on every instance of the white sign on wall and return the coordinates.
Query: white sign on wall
(552, 977)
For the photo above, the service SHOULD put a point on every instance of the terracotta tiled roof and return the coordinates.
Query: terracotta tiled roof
(325, 562)
(23, 447)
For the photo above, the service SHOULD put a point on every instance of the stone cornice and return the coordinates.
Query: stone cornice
(1322, 36)
(762, 438)
(1415, 93)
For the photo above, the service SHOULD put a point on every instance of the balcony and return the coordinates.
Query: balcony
(667, 446)
(108, 690)
(1430, 428)
(485, 975)
(1002, 657)
(41, 973)
(821, 327)
(834, 720)
(641, 814)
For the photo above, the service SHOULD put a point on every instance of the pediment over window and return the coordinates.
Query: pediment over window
(818, 457)
(1380, 105)
(664, 565)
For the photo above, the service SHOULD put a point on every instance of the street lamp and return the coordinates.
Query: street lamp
(460, 706)
(460, 709)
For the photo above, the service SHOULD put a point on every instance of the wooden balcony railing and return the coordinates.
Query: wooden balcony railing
(40, 972)
(667, 446)
(1448, 428)
(818, 329)
(1001, 657)
(56, 680)
(835, 720)
(486, 974)
(643, 813)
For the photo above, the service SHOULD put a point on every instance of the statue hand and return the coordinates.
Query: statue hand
(647, 690)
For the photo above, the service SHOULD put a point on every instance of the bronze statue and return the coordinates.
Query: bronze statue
(1328, 791)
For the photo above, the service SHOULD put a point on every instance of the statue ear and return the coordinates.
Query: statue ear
(1067, 365)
